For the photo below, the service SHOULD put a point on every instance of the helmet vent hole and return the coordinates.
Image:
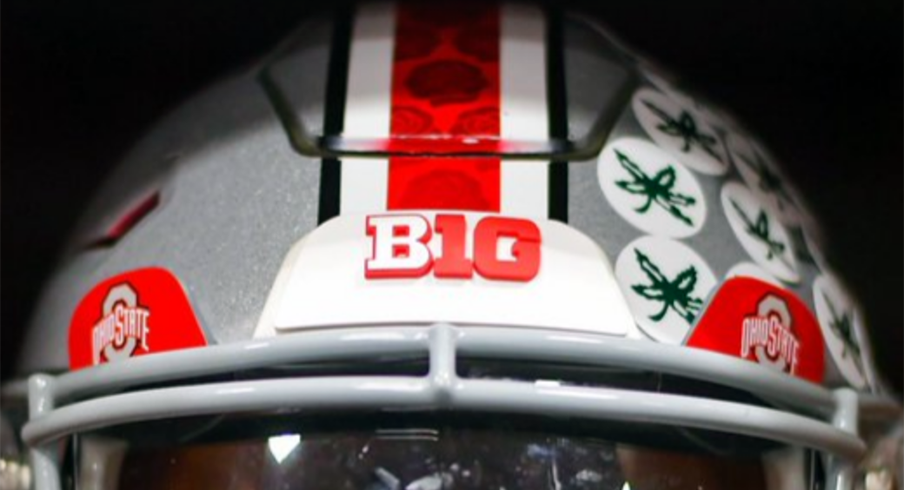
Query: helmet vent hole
(127, 221)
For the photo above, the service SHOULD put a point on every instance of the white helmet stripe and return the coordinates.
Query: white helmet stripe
(364, 182)
(525, 187)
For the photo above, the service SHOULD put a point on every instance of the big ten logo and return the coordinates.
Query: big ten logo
(410, 246)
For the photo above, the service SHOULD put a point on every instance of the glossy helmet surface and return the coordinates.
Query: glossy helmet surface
(449, 247)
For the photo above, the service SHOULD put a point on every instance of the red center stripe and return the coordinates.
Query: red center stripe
(445, 86)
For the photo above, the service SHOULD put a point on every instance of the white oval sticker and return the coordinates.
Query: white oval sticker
(680, 130)
(842, 328)
(666, 284)
(759, 232)
(650, 189)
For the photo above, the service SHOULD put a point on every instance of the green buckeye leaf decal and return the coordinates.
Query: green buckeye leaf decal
(840, 324)
(769, 181)
(664, 282)
(764, 178)
(759, 230)
(802, 251)
(684, 127)
(658, 189)
(843, 326)
(675, 294)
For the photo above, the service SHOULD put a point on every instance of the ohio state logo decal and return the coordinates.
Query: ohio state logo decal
(133, 314)
(766, 335)
(763, 323)
(124, 327)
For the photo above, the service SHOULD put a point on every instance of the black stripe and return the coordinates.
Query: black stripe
(334, 112)
(558, 111)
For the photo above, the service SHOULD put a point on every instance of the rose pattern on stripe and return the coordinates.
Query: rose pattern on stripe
(477, 122)
(446, 82)
(446, 90)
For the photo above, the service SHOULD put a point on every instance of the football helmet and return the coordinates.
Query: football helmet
(462, 246)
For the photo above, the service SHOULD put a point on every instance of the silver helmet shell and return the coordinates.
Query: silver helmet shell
(255, 202)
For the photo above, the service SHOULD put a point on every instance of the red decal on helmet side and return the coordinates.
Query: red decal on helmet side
(762, 323)
(445, 91)
(133, 314)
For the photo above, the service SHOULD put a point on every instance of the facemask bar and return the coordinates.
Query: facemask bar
(882, 467)
(15, 473)
(825, 420)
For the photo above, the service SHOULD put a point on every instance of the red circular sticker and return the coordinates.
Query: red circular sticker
(763, 323)
(133, 314)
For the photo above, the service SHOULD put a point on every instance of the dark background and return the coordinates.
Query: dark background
(820, 81)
